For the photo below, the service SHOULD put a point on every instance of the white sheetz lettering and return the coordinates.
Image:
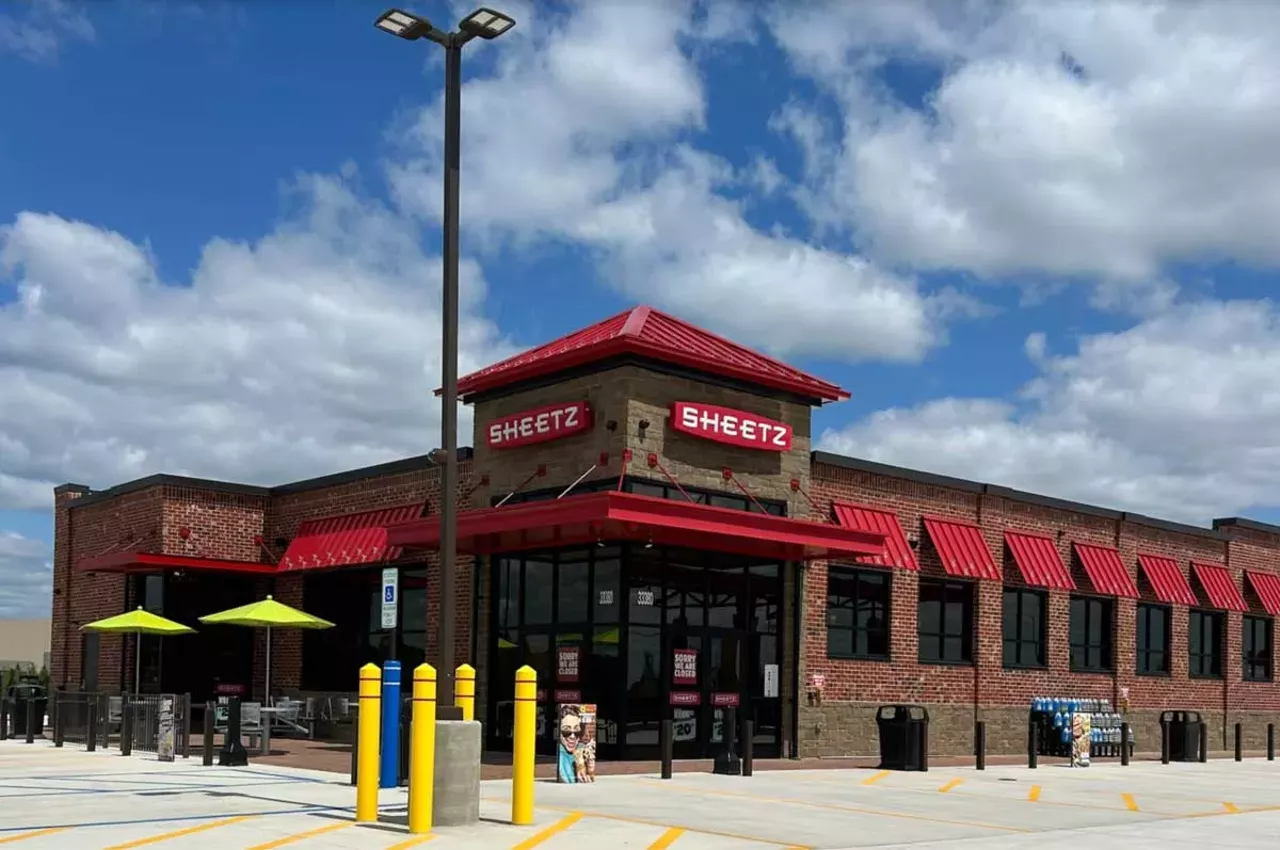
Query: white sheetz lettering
(733, 425)
(536, 424)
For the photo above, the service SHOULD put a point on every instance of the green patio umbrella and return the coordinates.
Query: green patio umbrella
(267, 614)
(138, 623)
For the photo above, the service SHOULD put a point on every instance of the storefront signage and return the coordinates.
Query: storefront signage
(686, 698)
(564, 696)
(567, 658)
(684, 668)
(540, 425)
(723, 700)
(729, 426)
(684, 725)
(644, 597)
(771, 681)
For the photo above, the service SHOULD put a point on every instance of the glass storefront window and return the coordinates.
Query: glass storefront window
(686, 594)
(572, 585)
(539, 586)
(728, 587)
(608, 576)
(643, 686)
(508, 593)
(644, 589)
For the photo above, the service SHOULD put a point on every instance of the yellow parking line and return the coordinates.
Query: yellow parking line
(1129, 802)
(1231, 808)
(667, 838)
(300, 836)
(953, 783)
(555, 829)
(1034, 794)
(416, 841)
(179, 833)
(23, 836)
(873, 779)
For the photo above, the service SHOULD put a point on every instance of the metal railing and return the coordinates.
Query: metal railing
(127, 721)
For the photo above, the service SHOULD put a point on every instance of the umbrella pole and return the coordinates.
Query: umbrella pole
(137, 662)
(266, 680)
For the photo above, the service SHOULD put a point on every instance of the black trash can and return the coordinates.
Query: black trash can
(1184, 734)
(19, 697)
(904, 737)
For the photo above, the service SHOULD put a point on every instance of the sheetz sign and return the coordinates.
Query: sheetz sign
(540, 425)
(729, 426)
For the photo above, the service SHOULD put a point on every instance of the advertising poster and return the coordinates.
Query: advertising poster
(684, 668)
(576, 744)
(164, 740)
(1081, 736)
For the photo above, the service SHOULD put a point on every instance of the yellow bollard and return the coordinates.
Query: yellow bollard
(422, 751)
(522, 746)
(464, 683)
(369, 722)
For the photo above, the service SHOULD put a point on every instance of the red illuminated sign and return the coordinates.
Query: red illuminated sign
(539, 426)
(729, 426)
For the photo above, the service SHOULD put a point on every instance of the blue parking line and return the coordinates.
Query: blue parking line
(301, 810)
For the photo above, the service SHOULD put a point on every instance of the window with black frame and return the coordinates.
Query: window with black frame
(1153, 639)
(945, 622)
(1255, 642)
(858, 601)
(1204, 643)
(1025, 628)
(660, 490)
(1091, 631)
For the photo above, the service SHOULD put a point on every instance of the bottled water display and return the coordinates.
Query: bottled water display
(1105, 735)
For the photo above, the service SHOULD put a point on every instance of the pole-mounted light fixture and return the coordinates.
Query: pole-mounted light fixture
(487, 24)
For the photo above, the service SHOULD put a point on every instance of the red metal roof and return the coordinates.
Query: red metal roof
(1038, 560)
(897, 552)
(1106, 570)
(1267, 586)
(145, 562)
(339, 541)
(646, 332)
(1219, 586)
(1166, 579)
(963, 551)
(610, 515)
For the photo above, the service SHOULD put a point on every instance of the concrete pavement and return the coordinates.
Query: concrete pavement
(54, 799)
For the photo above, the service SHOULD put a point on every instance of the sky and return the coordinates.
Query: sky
(1036, 241)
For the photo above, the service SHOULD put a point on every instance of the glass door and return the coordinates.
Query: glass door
(722, 685)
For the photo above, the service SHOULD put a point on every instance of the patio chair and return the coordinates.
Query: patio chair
(251, 722)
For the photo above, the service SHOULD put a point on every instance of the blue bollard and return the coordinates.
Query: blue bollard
(389, 757)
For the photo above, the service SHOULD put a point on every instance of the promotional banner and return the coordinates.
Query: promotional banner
(1081, 737)
(576, 744)
(164, 740)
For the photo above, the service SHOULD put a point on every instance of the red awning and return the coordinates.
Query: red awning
(1219, 586)
(340, 541)
(1038, 560)
(963, 552)
(148, 562)
(1106, 570)
(1166, 579)
(897, 552)
(1267, 586)
(591, 517)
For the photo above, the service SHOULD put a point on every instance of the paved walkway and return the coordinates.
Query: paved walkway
(71, 800)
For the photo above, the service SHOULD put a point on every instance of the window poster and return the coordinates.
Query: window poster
(576, 744)
(567, 660)
(684, 669)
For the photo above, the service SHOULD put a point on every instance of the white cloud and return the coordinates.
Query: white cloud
(579, 135)
(1174, 417)
(1075, 139)
(41, 31)
(313, 350)
(26, 568)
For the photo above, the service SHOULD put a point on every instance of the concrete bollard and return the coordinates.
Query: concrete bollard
(1124, 744)
(422, 750)
(206, 733)
(1033, 749)
(980, 745)
(368, 719)
(748, 746)
(1239, 742)
(666, 734)
(389, 764)
(523, 746)
(1271, 742)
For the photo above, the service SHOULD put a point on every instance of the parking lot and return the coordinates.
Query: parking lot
(67, 798)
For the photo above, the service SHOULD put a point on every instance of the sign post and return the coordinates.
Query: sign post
(390, 603)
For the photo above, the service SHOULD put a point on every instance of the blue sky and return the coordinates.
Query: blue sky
(219, 245)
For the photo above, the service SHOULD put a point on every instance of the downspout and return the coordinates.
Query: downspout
(977, 650)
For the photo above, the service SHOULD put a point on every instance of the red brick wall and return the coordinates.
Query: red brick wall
(219, 525)
(131, 521)
(986, 687)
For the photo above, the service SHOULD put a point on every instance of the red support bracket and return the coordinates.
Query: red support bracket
(482, 482)
(728, 476)
(622, 472)
(266, 550)
(795, 488)
(540, 472)
(654, 462)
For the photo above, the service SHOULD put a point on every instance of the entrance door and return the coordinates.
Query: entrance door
(705, 678)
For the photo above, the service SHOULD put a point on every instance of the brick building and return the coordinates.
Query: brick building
(643, 521)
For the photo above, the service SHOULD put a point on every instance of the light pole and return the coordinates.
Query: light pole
(487, 24)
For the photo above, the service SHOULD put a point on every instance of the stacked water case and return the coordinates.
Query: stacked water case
(1053, 719)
